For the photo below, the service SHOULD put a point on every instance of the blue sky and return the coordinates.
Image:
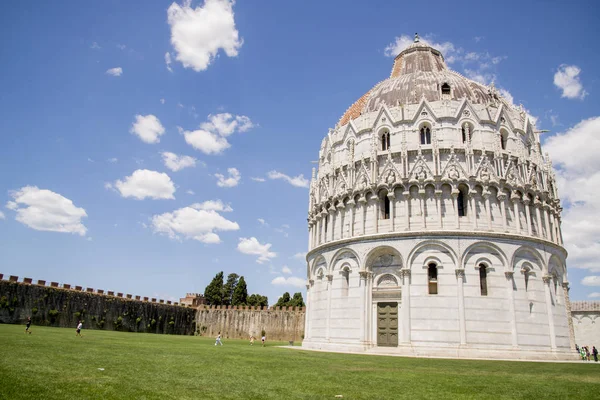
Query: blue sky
(89, 105)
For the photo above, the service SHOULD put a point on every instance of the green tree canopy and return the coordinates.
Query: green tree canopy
(257, 300)
(240, 293)
(283, 300)
(214, 291)
(286, 301)
(297, 300)
(229, 288)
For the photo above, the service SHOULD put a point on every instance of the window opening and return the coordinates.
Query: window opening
(425, 135)
(462, 210)
(445, 89)
(385, 141)
(483, 280)
(503, 139)
(386, 208)
(432, 278)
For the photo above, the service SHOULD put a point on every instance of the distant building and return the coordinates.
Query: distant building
(434, 224)
(586, 320)
(193, 299)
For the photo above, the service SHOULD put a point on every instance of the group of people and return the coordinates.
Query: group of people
(584, 352)
(252, 338)
(77, 330)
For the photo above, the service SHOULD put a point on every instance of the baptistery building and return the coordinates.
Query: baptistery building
(434, 224)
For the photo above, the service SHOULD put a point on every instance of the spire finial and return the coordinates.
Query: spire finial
(416, 38)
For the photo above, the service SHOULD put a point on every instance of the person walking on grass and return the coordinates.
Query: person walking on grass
(28, 325)
(78, 331)
(595, 353)
(263, 340)
(219, 340)
(251, 340)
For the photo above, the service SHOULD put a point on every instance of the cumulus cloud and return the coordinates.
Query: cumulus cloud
(198, 222)
(286, 270)
(289, 281)
(168, 61)
(593, 280)
(257, 179)
(211, 137)
(148, 128)
(162, 101)
(113, 160)
(566, 78)
(263, 222)
(144, 183)
(400, 43)
(197, 34)
(252, 246)
(45, 210)
(229, 181)
(298, 181)
(118, 71)
(574, 153)
(212, 205)
(190, 191)
(594, 295)
(300, 256)
(176, 162)
(2, 216)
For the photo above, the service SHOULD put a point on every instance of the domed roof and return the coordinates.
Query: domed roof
(419, 72)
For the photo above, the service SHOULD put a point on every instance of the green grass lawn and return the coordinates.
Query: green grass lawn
(54, 364)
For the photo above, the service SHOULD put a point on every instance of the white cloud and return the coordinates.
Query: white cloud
(197, 34)
(574, 153)
(225, 124)
(148, 128)
(253, 247)
(168, 61)
(118, 71)
(566, 78)
(506, 94)
(197, 222)
(176, 162)
(298, 181)
(190, 191)
(289, 281)
(44, 210)
(2, 216)
(162, 101)
(300, 256)
(594, 295)
(256, 179)
(206, 142)
(212, 205)
(144, 183)
(448, 49)
(113, 160)
(121, 46)
(263, 222)
(95, 46)
(230, 181)
(286, 270)
(592, 280)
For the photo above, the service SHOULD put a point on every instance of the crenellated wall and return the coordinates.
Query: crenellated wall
(63, 306)
(240, 322)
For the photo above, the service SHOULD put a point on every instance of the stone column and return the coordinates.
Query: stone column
(473, 207)
(342, 217)
(363, 207)
(547, 282)
(455, 206)
(376, 215)
(511, 307)
(460, 274)
(307, 315)
(405, 317)
(327, 322)
(549, 232)
(558, 230)
(406, 196)
(363, 305)
(438, 206)
(565, 286)
(392, 198)
(515, 199)
(422, 202)
(322, 228)
(538, 217)
(488, 210)
(526, 202)
(501, 200)
(351, 209)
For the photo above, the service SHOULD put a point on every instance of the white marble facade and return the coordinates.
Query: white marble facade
(434, 225)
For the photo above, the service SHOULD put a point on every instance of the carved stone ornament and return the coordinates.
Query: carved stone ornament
(453, 173)
(390, 178)
(485, 174)
(329, 277)
(547, 278)
(509, 274)
(460, 272)
(420, 173)
(466, 113)
(405, 272)
(364, 274)
(385, 260)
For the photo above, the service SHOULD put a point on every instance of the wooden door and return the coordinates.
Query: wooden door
(387, 324)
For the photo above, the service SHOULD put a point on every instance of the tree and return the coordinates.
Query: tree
(283, 300)
(297, 300)
(258, 300)
(229, 288)
(214, 291)
(240, 293)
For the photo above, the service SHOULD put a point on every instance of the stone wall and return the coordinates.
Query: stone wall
(586, 322)
(63, 305)
(239, 322)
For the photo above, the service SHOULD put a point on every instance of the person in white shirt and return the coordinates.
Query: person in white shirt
(218, 340)
(78, 331)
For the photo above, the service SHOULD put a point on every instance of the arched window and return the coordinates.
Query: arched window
(432, 275)
(385, 209)
(326, 223)
(503, 139)
(461, 203)
(528, 145)
(446, 89)
(425, 135)
(385, 140)
(483, 279)
(526, 273)
(345, 281)
(467, 132)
